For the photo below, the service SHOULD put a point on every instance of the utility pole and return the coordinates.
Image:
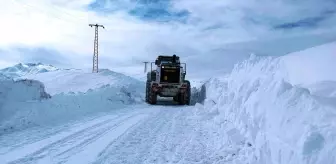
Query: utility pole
(95, 48)
(145, 67)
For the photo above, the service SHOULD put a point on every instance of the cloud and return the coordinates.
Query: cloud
(161, 11)
(257, 14)
(309, 22)
(138, 30)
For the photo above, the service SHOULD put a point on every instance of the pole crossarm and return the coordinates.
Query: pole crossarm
(145, 70)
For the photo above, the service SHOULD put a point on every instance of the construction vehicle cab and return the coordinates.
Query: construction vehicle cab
(167, 79)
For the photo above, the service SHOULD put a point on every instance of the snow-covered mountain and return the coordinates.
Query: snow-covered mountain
(22, 69)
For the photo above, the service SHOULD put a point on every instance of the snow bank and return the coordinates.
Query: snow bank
(14, 93)
(283, 122)
(21, 105)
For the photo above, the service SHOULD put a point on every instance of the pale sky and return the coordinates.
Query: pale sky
(57, 32)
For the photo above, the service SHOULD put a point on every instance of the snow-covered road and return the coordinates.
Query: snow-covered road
(72, 143)
(268, 110)
(148, 134)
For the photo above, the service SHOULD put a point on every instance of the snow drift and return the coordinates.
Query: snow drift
(26, 103)
(283, 122)
(14, 93)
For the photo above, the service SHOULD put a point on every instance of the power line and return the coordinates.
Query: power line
(95, 48)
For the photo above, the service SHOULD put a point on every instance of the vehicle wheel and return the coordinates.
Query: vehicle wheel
(187, 94)
(153, 76)
(181, 98)
(152, 98)
(184, 98)
(175, 98)
(147, 91)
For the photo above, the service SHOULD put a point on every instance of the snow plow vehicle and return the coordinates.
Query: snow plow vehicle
(168, 80)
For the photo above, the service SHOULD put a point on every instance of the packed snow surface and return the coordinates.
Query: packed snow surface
(268, 110)
(144, 135)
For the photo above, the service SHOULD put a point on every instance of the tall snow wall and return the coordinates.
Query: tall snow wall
(283, 123)
(14, 93)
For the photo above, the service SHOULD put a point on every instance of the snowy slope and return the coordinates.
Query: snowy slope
(312, 65)
(305, 69)
(265, 101)
(26, 69)
(64, 81)
(323, 89)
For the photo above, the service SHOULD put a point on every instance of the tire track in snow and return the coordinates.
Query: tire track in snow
(92, 151)
(84, 136)
(97, 134)
(52, 140)
(165, 137)
(135, 145)
(172, 135)
(16, 140)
